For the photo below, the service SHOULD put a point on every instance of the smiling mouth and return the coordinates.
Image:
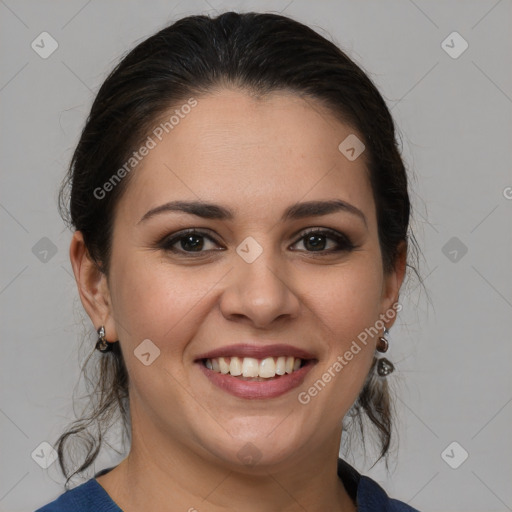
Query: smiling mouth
(252, 369)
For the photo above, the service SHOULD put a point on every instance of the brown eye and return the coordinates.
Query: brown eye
(315, 240)
(186, 242)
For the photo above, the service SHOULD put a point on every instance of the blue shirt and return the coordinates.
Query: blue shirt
(368, 495)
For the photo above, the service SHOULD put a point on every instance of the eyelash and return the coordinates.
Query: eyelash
(342, 240)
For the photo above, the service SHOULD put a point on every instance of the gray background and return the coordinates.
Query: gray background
(453, 354)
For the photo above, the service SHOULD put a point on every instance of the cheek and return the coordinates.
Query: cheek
(156, 301)
(348, 299)
(348, 307)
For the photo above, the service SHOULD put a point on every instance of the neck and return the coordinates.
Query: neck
(148, 479)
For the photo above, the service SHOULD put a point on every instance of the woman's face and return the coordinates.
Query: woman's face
(250, 279)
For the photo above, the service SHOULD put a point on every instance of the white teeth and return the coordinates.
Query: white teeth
(250, 367)
(235, 366)
(224, 366)
(281, 365)
(267, 367)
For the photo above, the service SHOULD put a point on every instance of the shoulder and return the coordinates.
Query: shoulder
(368, 495)
(371, 496)
(87, 497)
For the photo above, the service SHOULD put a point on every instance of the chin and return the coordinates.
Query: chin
(256, 451)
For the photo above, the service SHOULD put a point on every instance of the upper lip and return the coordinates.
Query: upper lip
(256, 351)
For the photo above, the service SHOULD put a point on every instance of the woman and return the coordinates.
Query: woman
(240, 215)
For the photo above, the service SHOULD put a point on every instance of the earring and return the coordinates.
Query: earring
(383, 344)
(384, 366)
(102, 344)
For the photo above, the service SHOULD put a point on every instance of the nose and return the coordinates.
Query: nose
(260, 293)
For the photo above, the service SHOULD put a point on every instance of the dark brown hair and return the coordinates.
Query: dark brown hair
(257, 52)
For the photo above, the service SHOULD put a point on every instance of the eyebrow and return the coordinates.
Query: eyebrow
(294, 212)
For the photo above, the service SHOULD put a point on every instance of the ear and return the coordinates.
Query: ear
(393, 281)
(92, 287)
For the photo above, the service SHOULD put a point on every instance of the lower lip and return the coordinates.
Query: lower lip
(258, 389)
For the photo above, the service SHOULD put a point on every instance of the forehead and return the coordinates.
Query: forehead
(251, 154)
